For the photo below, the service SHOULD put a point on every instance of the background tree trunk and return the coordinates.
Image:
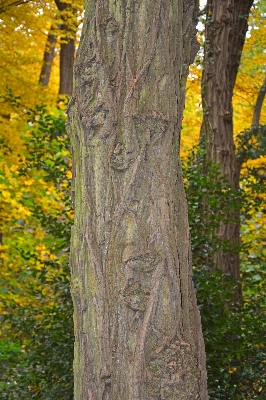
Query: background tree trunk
(137, 327)
(226, 27)
(258, 107)
(67, 49)
(67, 56)
(48, 57)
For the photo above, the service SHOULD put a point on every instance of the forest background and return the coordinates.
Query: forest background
(38, 41)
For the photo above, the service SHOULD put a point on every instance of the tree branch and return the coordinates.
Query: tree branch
(4, 8)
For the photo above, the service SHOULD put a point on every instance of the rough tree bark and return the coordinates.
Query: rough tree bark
(226, 27)
(48, 57)
(67, 51)
(137, 326)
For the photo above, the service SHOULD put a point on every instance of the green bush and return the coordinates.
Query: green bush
(234, 330)
(38, 354)
(36, 360)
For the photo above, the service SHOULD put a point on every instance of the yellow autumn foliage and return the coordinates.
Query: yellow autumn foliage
(251, 74)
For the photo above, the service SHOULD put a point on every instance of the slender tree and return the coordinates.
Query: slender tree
(243, 150)
(137, 327)
(67, 46)
(226, 27)
(258, 107)
(48, 57)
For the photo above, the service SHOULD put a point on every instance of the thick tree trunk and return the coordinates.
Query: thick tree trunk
(67, 50)
(48, 58)
(226, 27)
(137, 327)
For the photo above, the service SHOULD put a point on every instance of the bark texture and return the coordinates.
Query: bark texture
(137, 326)
(48, 57)
(225, 32)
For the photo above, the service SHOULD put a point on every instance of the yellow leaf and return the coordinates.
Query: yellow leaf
(69, 174)
(29, 182)
(5, 194)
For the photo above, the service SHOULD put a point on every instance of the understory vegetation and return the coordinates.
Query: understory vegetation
(37, 334)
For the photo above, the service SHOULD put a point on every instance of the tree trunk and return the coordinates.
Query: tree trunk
(137, 327)
(48, 58)
(225, 31)
(67, 49)
(258, 107)
(67, 56)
